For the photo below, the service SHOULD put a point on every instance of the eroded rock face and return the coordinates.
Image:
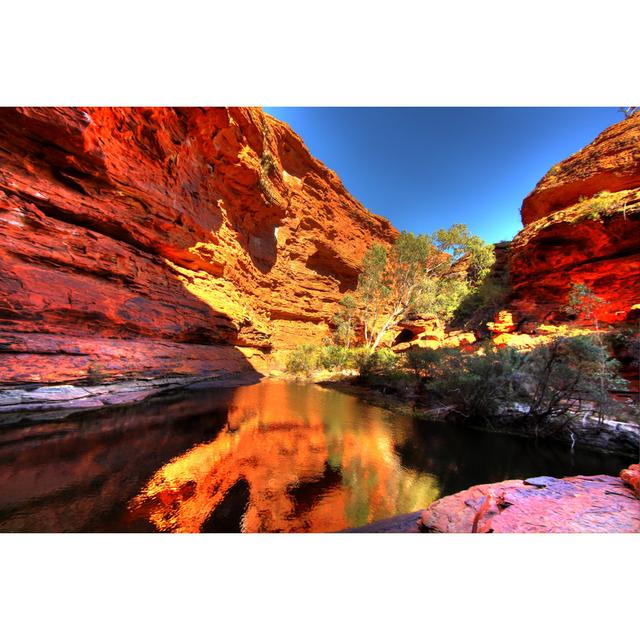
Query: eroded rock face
(161, 232)
(582, 225)
(610, 163)
(580, 504)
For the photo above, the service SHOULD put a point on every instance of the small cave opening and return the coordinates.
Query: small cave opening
(406, 335)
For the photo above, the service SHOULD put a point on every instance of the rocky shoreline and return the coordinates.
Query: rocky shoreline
(37, 402)
(579, 504)
(32, 403)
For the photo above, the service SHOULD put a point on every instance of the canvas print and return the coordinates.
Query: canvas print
(392, 320)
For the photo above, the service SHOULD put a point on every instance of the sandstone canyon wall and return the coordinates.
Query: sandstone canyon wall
(582, 225)
(147, 241)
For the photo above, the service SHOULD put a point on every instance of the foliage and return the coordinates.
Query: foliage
(333, 357)
(420, 273)
(483, 302)
(629, 111)
(443, 296)
(382, 362)
(344, 321)
(562, 375)
(480, 384)
(303, 360)
(550, 383)
(423, 362)
(625, 343)
(462, 244)
(582, 302)
(601, 205)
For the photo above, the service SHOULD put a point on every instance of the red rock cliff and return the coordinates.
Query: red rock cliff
(582, 225)
(148, 241)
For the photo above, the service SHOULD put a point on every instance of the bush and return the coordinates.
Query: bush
(549, 385)
(600, 205)
(560, 376)
(423, 362)
(381, 362)
(302, 361)
(333, 357)
(481, 305)
(307, 358)
(480, 384)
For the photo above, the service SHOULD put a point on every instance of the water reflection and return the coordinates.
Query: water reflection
(274, 456)
(306, 459)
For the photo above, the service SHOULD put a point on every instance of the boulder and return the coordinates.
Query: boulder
(579, 504)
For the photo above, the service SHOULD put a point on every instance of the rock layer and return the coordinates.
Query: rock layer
(580, 504)
(582, 225)
(610, 163)
(137, 240)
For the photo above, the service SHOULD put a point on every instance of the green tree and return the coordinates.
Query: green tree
(547, 386)
(303, 360)
(558, 377)
(412, 261)
(372, 292)
(461, 244)
(585, 304)
(420, 273)
(344, 321)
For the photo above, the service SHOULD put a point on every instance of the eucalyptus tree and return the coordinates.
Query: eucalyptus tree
(417, 274)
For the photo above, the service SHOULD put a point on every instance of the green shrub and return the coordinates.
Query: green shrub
(601, 204)
(333, 357)
(481, 305)
(381, 362)
(550, 384)
(559, 377)
(422, 362)
(477, 384)
(302, 361)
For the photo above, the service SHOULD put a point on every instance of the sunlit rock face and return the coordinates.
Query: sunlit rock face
(181, 227)
(610, 163)
(582, 225)
(579, 504)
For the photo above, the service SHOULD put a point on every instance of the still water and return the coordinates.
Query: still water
(274, 456)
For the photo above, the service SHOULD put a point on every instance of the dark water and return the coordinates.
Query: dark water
(273, 456)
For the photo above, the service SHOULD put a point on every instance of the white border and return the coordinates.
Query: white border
(338, 52)
(496, 52)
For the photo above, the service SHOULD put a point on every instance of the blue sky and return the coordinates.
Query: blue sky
(427, 168)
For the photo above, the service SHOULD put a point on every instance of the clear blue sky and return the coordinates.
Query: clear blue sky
(427, 168)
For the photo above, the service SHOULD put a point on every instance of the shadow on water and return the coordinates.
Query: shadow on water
(272, 456)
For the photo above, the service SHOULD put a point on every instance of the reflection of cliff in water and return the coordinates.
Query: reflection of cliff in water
(312, 459)
(78, 475)
(274, 456)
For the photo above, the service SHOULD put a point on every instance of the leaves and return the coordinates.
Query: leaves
(418, 274)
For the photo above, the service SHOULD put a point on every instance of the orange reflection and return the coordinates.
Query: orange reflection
(312, 460)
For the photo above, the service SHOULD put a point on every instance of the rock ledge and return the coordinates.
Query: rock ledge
(579, 504)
